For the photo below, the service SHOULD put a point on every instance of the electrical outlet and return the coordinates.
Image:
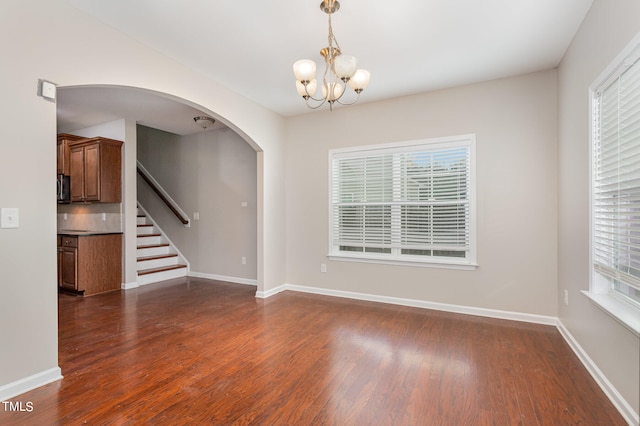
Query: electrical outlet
(196, 216)
(323, 267)
(244, 260)
(104, 217)
(566, 297)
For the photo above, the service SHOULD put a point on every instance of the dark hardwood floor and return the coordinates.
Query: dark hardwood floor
(192, 351)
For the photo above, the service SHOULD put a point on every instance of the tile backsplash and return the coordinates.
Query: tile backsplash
(90, 217)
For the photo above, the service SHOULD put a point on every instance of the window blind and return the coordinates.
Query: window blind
(403, 202)
(616, 179)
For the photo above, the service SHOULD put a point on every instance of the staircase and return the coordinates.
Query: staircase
(158, 259)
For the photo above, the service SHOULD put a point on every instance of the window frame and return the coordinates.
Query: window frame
(467, 141)
(601, 291)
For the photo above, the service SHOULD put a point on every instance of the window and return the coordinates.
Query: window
(615, 236)
(404, 202)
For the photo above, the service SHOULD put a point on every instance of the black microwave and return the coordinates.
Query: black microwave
(64, 189)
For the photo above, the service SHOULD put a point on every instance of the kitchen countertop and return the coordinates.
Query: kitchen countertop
(84, 232)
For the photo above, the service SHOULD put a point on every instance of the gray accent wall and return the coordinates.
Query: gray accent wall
(212, 173)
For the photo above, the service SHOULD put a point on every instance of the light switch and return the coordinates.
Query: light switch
(9, 218)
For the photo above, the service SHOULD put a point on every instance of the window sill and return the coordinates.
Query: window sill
(382, 261)
(623, 312)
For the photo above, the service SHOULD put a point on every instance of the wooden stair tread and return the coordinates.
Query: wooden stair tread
(158, 256)
(160, 269)
(143, 225)
(153, 246)
(148, 235)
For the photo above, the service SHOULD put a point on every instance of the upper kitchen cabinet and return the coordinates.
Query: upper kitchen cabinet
(64, 139)
(95, 168)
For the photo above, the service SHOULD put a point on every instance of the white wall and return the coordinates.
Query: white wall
(28, 309)
(606, 30)
(77, 50)
(112, 130)
(212, 173)
(515, 122)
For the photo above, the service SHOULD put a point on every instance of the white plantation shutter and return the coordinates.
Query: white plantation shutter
(404, 201)
(616, 179)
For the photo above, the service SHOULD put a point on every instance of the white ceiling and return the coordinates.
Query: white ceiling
(81, 107)
(409, 46)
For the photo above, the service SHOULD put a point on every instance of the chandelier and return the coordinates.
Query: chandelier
(340, 69)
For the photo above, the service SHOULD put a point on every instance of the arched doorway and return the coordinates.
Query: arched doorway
(121, 112)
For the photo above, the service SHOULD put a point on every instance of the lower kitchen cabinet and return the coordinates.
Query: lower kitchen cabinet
(90, 263)
(69, 268)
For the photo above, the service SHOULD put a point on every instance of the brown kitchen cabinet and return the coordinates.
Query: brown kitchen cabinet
(59, 260)
(90, 263)
(95, 168)
(69, 268)
(64, 139)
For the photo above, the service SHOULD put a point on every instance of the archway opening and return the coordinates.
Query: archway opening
(127, 113)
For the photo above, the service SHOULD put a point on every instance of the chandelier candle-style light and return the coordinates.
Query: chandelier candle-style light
(340, 69)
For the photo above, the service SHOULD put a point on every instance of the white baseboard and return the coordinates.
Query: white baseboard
(467, 310)
(273, 291)
(612, 393)
(236, 280)
(26, 384)
(127, 286)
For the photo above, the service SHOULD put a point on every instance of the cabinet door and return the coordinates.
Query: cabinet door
(60, 163)
(68, 268)
(76, 171)
(92, 172)
(59, 266)
(64, 139)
